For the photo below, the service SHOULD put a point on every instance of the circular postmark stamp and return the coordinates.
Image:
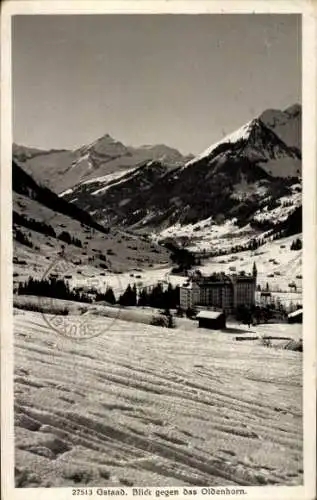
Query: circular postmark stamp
(67, 302)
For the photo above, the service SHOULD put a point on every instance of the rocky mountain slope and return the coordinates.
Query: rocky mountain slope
(287, 124)
(24, 184)
(259, 144)
(251, 176)
(62, 169)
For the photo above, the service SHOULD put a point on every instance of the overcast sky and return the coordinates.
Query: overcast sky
(181, 80)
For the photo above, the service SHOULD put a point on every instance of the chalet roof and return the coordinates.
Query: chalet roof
(188, 285)
(245, 277)
(218, 279)
(295, 313)
(213, 279)
(209, 284)
(209, 314)
(222, 278)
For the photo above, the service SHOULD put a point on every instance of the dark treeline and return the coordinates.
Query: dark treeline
(296, 244)
(155, 297)
(70, 240)
(261, 313)
(40, 227)
(159, 298)
(108, 296)
(52, 287)
(129, 296)
(294, 223)
(183, 258)
(22, 238)
(249, 315)
(46, 229)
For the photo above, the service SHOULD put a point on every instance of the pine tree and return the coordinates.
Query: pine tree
(254, 271)
(128, 298)
(143, 299)
(170, 321)
(168, 297)
(157, 296)
(110, 296)
(133, 296)
(296, 244)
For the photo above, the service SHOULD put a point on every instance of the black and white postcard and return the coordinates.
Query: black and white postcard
(158, 245)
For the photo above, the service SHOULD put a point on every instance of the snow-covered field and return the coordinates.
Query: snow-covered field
(142, 405)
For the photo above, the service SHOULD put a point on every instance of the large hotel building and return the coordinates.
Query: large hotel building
(220, 291)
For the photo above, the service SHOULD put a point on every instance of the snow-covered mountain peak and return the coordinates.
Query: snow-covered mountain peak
(257, 142)
(103, 142)
(242, 133)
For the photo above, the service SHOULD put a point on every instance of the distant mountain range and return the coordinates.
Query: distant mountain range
(252, 169)
(63, 169)
(252, 176)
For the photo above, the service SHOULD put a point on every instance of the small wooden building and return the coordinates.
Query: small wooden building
(214, 320)
(296, 316)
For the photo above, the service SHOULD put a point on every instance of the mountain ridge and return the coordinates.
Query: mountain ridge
(254, 134)
(250, 169)
(61, 169)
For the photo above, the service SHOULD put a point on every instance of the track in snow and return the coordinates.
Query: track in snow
(149, 406)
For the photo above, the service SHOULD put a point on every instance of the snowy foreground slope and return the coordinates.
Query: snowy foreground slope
(141, 405)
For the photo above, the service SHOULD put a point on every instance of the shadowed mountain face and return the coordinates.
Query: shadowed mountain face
(24, 184)
(259, 144)
(234, 178)
(287, 125)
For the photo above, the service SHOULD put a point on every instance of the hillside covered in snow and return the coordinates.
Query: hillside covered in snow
(117, 410)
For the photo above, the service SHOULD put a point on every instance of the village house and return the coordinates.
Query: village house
(295, 316)
(219, 290)
(214, 320)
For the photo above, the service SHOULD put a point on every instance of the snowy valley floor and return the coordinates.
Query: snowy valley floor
(147, 406)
